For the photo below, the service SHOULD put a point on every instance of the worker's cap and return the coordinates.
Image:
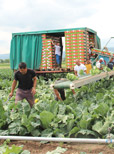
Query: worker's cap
(102, 59)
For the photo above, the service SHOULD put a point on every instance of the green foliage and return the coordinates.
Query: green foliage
(46, 117)
(6, 74)
(81, 72)
(88, 113)
(58, 150)
(2, 115)
(71, 77)
(95, 71)
(6, 149)
(106, 69)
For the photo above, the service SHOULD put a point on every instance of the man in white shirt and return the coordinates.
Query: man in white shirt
(57, 52)
(79, 67)
(98, 63)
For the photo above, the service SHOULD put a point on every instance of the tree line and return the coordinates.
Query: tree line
(4, 61)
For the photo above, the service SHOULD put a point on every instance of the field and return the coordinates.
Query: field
(88, 114)
(4, 65)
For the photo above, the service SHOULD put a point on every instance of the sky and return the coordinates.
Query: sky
(35, 15)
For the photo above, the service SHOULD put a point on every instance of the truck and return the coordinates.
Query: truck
(38, 52)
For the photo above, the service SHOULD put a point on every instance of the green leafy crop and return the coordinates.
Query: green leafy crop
(71, 77)
(81, 72)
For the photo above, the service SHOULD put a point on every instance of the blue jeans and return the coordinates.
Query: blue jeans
(58, 59)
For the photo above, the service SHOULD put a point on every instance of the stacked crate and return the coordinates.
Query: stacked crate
(54, 57)
(76, 46)
(55, 40)
(44, 55)
(46, 61)
(91, 39)
(68, 49)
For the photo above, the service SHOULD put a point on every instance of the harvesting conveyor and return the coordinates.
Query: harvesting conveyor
(82, 81)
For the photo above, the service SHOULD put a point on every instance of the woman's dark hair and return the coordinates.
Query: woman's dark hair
(91, 47)
(22, 65)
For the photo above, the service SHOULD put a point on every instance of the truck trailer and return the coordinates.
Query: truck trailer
(38, 52)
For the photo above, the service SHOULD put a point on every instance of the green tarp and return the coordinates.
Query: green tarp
(55, 31)
(26, 48)
(98, 42)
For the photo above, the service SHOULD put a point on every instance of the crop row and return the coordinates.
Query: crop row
(88, 113)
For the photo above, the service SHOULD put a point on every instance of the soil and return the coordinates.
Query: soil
(72, 148)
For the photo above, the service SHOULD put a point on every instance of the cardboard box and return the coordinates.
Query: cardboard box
(69, 61)
(68, 41)
(69, 66)
(69, 48)
(68, 54)
(74, 57)
(68, 51)
(66, 32)
(68, 58)
(67, 35)
(43, 67)
(67, 44)
(82, 53)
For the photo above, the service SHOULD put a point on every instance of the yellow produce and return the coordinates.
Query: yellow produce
(36, 100)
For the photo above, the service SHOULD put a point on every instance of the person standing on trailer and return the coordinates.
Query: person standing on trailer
(79, 66)
(27, 80)
(90, 52)
(91, 55)
(57, 53)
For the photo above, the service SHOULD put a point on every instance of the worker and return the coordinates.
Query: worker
(88, 65)
(88, 61)
(57, 53)
(79, 66)
(27, 80)
(111, 64)
(105, 49)
(92, 56)
(98, 63)
(91, 51)
(60, 93)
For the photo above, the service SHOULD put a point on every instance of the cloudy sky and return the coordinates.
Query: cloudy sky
(36, 15)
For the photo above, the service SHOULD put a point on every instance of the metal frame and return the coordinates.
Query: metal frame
(91, 79)
(82, 81)
(107, 42)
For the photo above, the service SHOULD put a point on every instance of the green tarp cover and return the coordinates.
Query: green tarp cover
(98, 42)
(55, 31)
(26, 48)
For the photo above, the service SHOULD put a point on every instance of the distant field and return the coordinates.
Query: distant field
(4, 65)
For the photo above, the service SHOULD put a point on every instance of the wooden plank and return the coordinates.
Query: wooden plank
(51, 71)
